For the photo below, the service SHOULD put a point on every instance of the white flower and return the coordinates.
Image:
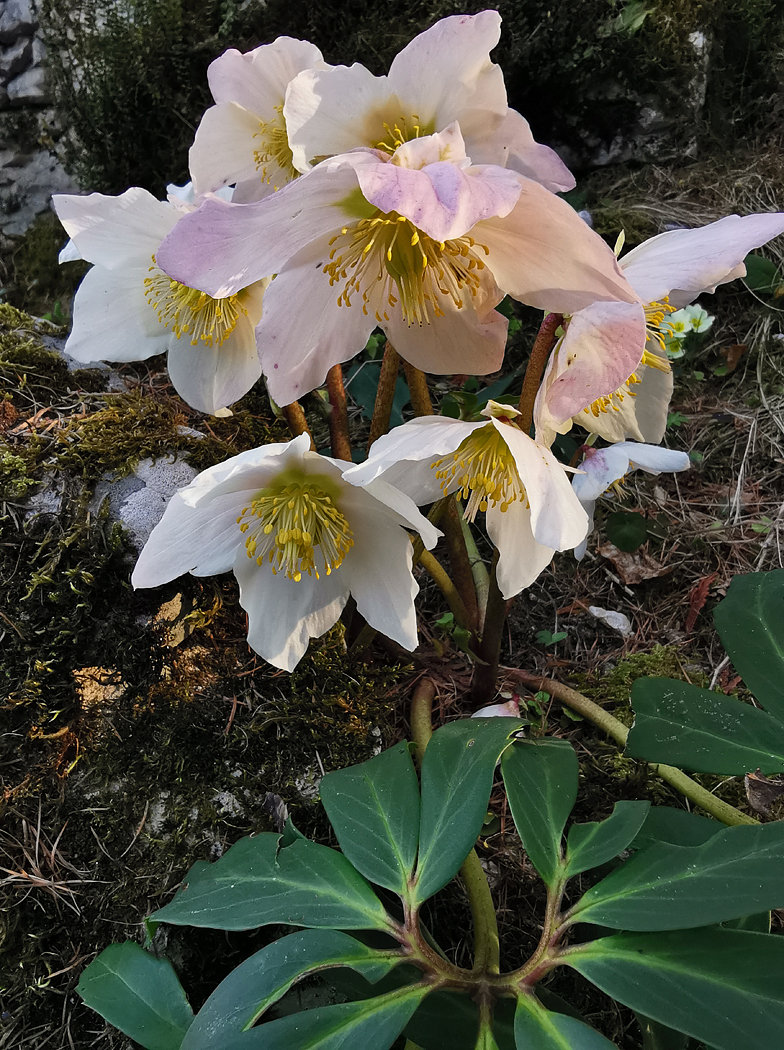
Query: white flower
(421, 243)
(443, 75)
(128, 309)
(299, 539)
(243, 139)
(604, 467)
(531, 509)
(602, 375)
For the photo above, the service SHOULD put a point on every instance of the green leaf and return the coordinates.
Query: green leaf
(457, 777)
(656, 1036)
(256, 883)
(665, 887)
(678, 826)
(750, 622)
(628, 530)
(693, 728)
(589, 845)
(374, 809)
(368, 1023)
(261, 980)
(450, 1021)
(138, 994)
(540, 777)
(762, 275)
(725, 987)
(362, 383)
(538, 1029)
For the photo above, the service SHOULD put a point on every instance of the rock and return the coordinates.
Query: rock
(29, 88)
(30, 191)
(17, 19)
(15, 59)
(138, 501)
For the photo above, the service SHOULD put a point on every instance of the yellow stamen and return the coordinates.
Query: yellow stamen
(412, 268)
(399, 131)
(612, 402)
(292, 523)
(274, 147)
(485, 471)
(655, 313)
(189, 312)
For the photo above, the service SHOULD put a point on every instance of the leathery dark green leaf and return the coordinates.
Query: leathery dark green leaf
(374, 809)
(539, 1029)
(589, 845)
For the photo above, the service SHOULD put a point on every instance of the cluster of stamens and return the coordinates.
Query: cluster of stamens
(485, 470)
(412, 268)
(274, 147)
(189, 312)
(287, 526)
(399, 133)
(654, 315)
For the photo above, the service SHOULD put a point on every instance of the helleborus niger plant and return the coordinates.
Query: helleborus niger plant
(331, 207)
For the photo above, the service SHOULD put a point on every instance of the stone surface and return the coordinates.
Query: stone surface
(29, 88)
(15, 59)
(17, 18)
(29, 190)
(138, 501)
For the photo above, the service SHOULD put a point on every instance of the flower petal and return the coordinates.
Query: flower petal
(512, 145)
(224, 247)
(602, 347)
(303, 331)
(543, 254)
(258, 78)
(223, 149)
(654, 459)
(283, 615)
(112, 320)
(600, 468)
(115, 231)
(521, 559)
(213, 377)
(683, 263)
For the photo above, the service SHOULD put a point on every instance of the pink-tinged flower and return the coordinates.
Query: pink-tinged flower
(604, 468)
(443, 75)
(421, 243)
(243, 139)
(531, 509)
(128, 309)
(602, 374)
(509, 709)
(299, 539)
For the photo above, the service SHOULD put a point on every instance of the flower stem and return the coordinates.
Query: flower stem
(459, 561)
(385, 394)
(420, 395)
(486, 945)
(442, 580)
(485, 673)
(540, 351)
(295, 418)
(478, 571)
(338, 418)
(722, 811)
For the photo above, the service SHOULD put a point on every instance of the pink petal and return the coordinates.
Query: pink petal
(520, 151)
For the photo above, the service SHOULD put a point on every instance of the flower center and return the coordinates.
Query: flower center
(189, 312)
(485, 472)
(287, 524)
(411, 268)
(612, 402)
(399, 131)
(274, 148)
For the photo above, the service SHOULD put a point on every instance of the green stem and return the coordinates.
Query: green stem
(295, 418)
(442, 580)
(422, 717)
(338, 417)
(385, 394)
(540, 351)
(483, 682)
(420, 395)
(459, 561)
(478, 571)
(722, 811)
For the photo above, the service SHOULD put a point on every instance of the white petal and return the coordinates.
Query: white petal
(248, 472)
(471, 339)
(403, 457)
(222, 247)
(333, 111)
(513, 145)
(70, 253)
(213, 377)
(116, 231)
(283, 615)
(543, 254)
(602, 347)
(303, 331)
(651, 404)
(223, 149)
(655, 459)
(258, 78)
(557, 519)
(683, 263)
(521, 559)
(378, 572)
(112, 320)
(400, 507)
(601, 468)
